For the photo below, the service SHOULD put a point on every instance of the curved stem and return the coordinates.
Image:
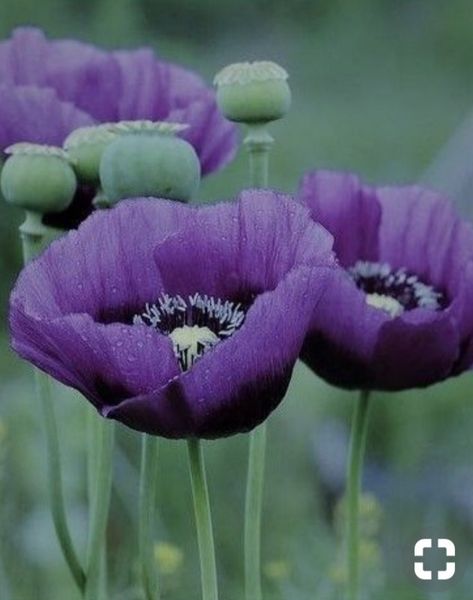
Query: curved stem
(32, 236)
(148, 477)
(99, 509)
(203, 520)
(253, 509)
(354, 479)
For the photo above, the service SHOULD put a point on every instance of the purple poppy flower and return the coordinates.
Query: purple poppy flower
(49, 88)
(398, 315)
(175, 320)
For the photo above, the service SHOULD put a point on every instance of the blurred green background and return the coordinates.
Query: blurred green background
(379, 86)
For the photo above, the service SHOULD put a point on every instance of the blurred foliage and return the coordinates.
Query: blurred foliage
(378, 87)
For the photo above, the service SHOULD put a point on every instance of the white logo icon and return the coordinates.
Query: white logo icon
(443, 544)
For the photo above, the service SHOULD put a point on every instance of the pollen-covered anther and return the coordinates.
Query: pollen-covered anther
(386, 303)
(191, 342)
(195, 324)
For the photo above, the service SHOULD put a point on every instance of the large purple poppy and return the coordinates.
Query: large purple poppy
(399, 314)
(48, 89)
(175, 320)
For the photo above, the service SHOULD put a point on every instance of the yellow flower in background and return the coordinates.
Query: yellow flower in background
(169, 557)
(277, 570)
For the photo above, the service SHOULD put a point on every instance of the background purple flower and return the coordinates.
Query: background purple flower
(49, 88)
(96, 310)
(399, 313)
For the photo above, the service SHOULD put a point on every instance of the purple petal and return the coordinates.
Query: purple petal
(31, 114)
(213, 137)
(145, 86)
(265, 234)
(86, 76)
(106, 268)
(421, 232)
(115, 268)
(106, 363)
(415, 350)
(348, 209)
(80, 73)
(23, 58)
(343, 334)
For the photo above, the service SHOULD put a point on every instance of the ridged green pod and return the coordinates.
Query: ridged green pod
(38, 178)
(149, 163)
(253, 92)
(85, 147)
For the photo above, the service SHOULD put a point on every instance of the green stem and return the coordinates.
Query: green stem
(32, 235)
(253, 510)
(99, 509)
(354, 479)
(91, 426)
(258, 142)
(148, 477)
(203, 520)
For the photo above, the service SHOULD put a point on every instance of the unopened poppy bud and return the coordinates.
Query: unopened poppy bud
(253, 92)
(85, 146)
(38, 178)
(147, 159)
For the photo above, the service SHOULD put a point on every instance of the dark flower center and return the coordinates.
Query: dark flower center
(394, 291)
(195, 324)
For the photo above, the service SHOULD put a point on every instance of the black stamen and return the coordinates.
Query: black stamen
(404, 287)
(195, 324)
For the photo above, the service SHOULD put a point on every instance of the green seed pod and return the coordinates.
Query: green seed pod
(85, 146)
(255, 92)
(146, 159)
(38, 178)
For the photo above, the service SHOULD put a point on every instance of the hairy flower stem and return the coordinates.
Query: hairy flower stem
(258, 143)
(203, 520)
(148, 476)
(32, 234)
(104, 431)
(354, 479)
